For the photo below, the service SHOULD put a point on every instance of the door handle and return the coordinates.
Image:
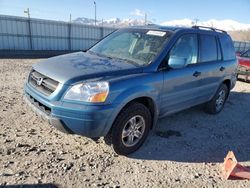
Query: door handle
(222, 69)
(196, 74)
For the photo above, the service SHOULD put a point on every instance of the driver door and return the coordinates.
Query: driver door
(181, 82)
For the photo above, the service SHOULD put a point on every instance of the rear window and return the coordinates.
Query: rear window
(208, 48)
(228, 50)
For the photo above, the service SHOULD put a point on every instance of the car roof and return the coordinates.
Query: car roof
(199, 29)
(158, 27)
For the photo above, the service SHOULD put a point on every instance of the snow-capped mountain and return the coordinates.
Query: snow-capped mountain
(113, 22)
(228, 25)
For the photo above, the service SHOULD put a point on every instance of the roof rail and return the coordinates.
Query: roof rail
(211, 28)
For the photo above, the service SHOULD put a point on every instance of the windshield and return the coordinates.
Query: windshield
(139, 47)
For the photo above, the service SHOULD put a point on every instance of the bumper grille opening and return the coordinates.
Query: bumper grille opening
(39, 105)
(42, 83)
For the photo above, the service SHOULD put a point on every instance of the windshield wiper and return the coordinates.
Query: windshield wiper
(127, 60)
(100, 55)
(112, 57)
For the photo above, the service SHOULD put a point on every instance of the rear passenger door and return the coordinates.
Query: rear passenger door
(210, 64)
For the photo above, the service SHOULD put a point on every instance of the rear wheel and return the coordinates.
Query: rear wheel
(215, 105)
(130, 129)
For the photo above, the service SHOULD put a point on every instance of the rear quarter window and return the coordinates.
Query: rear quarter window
(227, 46)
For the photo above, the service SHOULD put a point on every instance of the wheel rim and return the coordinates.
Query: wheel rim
(220, 100)
(133, 131)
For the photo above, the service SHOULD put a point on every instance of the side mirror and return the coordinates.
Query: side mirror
(177, 62)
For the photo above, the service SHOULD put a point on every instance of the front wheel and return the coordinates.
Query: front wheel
(130, 129)
(216, 104)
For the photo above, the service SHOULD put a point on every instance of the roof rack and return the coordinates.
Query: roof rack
(211, 28)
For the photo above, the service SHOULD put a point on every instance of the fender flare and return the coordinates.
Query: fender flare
(145, 92)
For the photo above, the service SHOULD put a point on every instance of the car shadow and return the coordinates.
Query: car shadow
(194, 136)
(47, 185)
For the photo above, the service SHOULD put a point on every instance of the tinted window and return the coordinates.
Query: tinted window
(208, 48)
(228, 50)
(186, 47)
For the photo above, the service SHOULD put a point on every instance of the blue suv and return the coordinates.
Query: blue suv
(122, 85)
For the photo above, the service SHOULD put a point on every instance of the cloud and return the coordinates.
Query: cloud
(137, 12)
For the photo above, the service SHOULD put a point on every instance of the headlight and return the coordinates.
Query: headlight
(88, 92)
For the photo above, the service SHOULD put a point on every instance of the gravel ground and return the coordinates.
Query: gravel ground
(186, 150)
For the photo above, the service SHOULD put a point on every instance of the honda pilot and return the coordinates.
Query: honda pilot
(121, 86)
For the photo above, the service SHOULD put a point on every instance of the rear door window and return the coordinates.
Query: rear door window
(208, 48)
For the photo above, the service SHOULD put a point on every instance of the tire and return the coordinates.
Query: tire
(132, 119)
(216, 104)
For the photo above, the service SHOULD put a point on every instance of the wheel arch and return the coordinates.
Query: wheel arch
(227, 82)
(148, 101)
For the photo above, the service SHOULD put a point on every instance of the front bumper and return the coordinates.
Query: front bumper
(58, 124)
(89, 121)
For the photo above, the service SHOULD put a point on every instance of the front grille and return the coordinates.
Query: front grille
(42, 83)
(39, 105)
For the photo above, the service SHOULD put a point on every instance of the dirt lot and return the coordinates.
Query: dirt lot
(189, 154)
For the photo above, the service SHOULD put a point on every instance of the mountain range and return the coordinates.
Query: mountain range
(113, 22)
(228, 25)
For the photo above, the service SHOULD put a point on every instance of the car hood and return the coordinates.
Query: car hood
(79, 66)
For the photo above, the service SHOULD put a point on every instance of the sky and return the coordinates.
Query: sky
(157, 11)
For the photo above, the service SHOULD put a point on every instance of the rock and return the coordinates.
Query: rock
(21, 173)
(115, 155)
(6, 174)
(67, 167)
(8, 141)
(177, 180)
(20, 145)
(40, 151)
(62, 152)
(76, 157)
(32, 149)
(9, 151)
(58, 159)
(196, 175)
(82, 169)
(7, 164)
(39, 181)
